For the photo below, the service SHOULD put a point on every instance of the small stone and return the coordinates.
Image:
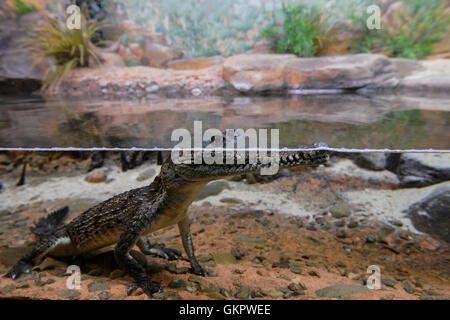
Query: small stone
(69, 294)
(244, 293)
(314, 273)
(166, 295)
(407, 286)
(98, 286)
(340, 233)
(145, 175)
(202, 284)
(385, 231)
(396, 223)
(235, 252)
(341, 210)
(177, 283)
(225, 258)
(105, 295)
(205, 257)
(388, 282)
(8, 289)
(263, 221)
(352, 224)
(23, 286)
(271, 292)
(340, 290)
(353, 276)
(231, 200)
(191, 289)
(311, 226)
(296, 268)
(370, 238)
(248, 239)
(389, 296)
(96, 176)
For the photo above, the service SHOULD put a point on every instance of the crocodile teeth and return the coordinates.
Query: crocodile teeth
(291, 158)
(297, 156)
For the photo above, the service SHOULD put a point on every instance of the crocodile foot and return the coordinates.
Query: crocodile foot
(148, 286)
(198, 270)
(18, 269)
(165, 253)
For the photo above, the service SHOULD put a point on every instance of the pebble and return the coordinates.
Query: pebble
(407, 286)
(244, 293)
(166, 295)
(370, 238)
(296, 268)
(248, 239)
(177, 283)
(340, 233)
(69, 294)
(388, 282)
(98, 286)
(311, 226)
(96, 176)
(340, 210)
(353, 224)
(105, 295)
(272, 292)
(8, 289)
(145, 175)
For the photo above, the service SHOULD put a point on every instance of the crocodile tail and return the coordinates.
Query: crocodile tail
(48, 224)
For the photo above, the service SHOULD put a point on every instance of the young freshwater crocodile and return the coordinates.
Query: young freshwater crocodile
(125, 219)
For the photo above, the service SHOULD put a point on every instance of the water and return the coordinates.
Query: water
(341, 121)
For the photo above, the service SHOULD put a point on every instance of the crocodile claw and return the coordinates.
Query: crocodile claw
(149, 287)
(18, 269)
(199, 270)
(165, 253)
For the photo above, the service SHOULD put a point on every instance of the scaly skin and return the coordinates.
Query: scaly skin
(125, 219)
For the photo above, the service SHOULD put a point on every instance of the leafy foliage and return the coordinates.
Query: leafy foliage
(420, 25)
(20, 7)
(68, 48)
(300, 33)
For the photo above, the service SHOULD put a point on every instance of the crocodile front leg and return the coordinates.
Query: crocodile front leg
(185, 230)
(124, 259)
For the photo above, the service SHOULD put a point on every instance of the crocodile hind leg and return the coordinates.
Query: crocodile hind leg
(185, 230)
(34, 257)
(126, 261)
(157, 250)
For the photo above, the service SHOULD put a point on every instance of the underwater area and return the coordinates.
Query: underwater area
(315, 229)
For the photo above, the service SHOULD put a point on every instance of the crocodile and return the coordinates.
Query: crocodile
(126, 219)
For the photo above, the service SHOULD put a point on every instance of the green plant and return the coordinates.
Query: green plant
(20, 7)
(417, 28)
(300, 33)
(68, 48)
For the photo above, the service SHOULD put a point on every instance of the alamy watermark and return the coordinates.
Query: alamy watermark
(73, 20)
(73, 282)
(374, 281)
(374, 19)
(192, 150)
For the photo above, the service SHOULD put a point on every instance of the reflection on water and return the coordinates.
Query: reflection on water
(350, 121)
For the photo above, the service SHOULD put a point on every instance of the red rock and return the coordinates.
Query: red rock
(195, 63)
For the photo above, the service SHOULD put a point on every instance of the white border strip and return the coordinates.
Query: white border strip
(344, 150)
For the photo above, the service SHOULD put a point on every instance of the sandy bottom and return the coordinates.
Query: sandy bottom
(275, 239)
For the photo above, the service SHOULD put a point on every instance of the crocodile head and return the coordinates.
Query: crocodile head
(242, 162)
